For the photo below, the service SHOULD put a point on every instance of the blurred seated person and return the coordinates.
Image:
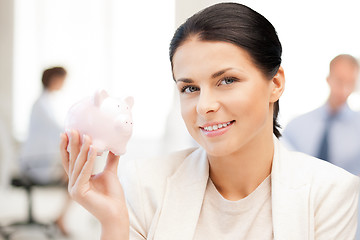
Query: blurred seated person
(331, 132)
(40, 156)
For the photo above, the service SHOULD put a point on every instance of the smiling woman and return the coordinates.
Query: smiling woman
(222, 90)
(241, 183)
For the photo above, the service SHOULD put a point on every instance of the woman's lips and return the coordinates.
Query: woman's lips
(216, 129)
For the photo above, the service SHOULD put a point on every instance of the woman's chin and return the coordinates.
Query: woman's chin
(217, 149)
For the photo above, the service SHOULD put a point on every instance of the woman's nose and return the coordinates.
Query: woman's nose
(207, 103)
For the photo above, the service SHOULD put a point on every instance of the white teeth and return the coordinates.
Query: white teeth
(217, 126)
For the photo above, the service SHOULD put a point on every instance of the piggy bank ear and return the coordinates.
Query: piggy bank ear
(129, 101)
(99, 97)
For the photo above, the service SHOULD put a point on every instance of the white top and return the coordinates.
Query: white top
(40, 154)
(248, 218)
(310, 199)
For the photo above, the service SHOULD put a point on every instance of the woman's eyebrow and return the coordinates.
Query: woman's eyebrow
(185, 80)
(219, 73)
(215, 75)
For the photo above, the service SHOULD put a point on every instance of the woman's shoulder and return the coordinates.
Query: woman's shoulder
(319, 191)
(333, 197)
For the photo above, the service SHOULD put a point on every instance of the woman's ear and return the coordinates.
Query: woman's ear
(278, 85)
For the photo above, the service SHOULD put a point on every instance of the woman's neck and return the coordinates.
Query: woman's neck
(240, 173)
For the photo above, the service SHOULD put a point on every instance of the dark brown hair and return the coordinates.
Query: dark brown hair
(241, 26)
(50, 73)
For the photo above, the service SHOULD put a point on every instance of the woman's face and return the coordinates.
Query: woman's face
(226, 102)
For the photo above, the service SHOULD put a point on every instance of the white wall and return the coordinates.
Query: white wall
(117, 45)
(311, 33)
(123, 46)
(6, 60)
(6, 76)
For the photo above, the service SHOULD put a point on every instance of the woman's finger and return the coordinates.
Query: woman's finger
(81, 159)
(112, 163)
(74, 149)
(64, 141)
(87, 170)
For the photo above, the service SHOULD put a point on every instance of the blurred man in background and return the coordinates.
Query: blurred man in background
(331, 132)
(40, 156)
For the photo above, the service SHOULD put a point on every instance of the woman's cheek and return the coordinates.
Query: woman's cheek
(186, 111)
(189, 115)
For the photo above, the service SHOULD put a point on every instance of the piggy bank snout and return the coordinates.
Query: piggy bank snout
(125, 121)
(128, 122)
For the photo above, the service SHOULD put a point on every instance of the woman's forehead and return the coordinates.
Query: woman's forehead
(196, 56)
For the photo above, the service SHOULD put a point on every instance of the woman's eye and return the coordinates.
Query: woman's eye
(226, 81)
(189, 89)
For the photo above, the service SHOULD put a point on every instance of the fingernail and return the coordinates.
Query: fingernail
(91, 150)
(85, 138)
(68, 132)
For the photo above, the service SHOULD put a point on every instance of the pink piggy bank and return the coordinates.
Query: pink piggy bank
(107, 120)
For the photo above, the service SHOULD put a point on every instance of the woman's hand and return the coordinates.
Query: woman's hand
(101, 194)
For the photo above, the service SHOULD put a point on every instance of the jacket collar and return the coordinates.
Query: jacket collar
(290, 191)
(185, 192)
(183, 199)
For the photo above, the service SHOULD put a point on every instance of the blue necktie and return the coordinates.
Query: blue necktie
(324, 144)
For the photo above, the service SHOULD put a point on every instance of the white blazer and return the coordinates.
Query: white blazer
(311, 198)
